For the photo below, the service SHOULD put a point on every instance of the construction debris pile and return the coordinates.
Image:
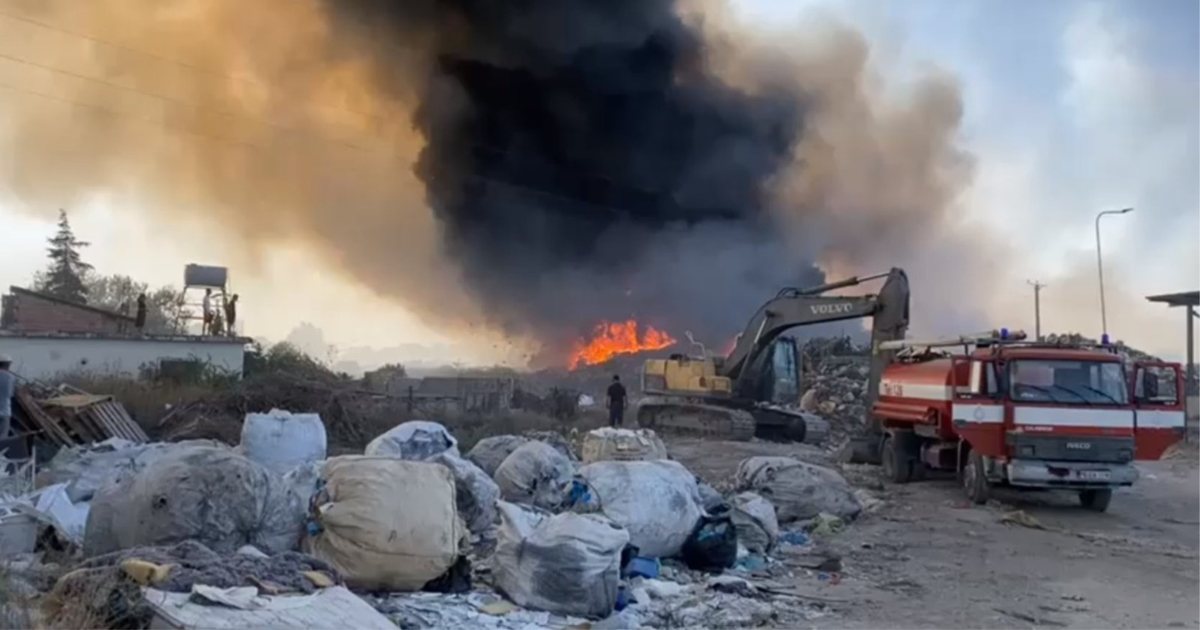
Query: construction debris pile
(834, 373)
(518, 532)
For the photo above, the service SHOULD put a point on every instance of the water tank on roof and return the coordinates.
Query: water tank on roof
(205, 276)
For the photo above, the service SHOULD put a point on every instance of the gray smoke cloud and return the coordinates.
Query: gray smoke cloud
(549, 163)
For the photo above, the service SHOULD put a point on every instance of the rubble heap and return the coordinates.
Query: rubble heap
(834, 374)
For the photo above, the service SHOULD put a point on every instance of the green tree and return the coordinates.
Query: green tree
(165, 313)
(64, 277)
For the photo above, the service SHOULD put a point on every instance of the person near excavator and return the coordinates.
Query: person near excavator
(616, 402)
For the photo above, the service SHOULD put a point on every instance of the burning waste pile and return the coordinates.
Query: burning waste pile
(520, 532)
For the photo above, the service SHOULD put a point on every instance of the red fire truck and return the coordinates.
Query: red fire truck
(1025, 414)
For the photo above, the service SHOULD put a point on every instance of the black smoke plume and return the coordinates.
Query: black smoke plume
(585, 164)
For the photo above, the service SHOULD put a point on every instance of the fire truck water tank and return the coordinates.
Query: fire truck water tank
(205, 276)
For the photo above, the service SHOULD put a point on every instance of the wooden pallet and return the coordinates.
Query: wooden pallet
(80, 418)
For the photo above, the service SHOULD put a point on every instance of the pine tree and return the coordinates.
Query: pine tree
(64, 277)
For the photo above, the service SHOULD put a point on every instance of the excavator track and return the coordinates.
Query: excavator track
(673, 416)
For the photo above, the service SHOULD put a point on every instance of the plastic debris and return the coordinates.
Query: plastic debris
(826, 525)
(713, 544)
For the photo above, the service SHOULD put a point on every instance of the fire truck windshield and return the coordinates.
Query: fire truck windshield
(1061, 381)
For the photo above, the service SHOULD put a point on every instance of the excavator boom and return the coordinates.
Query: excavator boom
(682, 384)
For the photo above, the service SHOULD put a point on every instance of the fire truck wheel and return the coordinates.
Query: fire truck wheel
(897, 465)
(1095, 500)
(974, 479)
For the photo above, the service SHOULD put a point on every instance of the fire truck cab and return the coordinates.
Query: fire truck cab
(1028, 415)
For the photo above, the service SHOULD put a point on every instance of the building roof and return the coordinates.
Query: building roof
(58, 300)
(1187, 298)
(17, 334)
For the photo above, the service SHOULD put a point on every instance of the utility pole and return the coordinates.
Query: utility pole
(1037, 308)
(1100, 272)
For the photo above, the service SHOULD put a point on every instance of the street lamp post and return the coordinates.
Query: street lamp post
(1100, 269)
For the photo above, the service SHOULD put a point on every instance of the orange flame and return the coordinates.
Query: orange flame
(613, 338)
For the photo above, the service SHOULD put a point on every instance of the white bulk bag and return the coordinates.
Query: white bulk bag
(282, 440)
(535, 474)
(385, 523)
(564, 563)
(657, 501)
(609, 444)
(415, 440)
(798, 490)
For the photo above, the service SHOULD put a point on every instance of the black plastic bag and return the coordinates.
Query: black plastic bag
(713, 544)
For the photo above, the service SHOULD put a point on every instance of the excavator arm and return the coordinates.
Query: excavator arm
(792, 308)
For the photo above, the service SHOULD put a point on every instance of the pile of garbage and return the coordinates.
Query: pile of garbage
(834, 373)
(518, 532)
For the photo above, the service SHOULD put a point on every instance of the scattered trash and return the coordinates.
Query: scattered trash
(713, 544)
(794, 537)
(641, 566)
(622, 598)
(1022, 518)
(754, 517)
(731, 584)
(334, 607)
(752, 562)
(413, 440)
(475, 492)
(386, 523)
(661, 589)
(831, 578)
(797, 489)
(1030, 618)
(498, 608)
(535, 474)
(565, 563)
(239, 597)
(212, 495)
(107, 589)
(281, 440)
(612, 444)
(825, 525)
(19, 526)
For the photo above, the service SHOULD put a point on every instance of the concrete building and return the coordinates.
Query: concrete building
(48, 337)
(31, 312)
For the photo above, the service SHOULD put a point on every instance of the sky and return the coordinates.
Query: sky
(1071, 107)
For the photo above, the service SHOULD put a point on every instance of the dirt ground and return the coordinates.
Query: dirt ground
(926, 558)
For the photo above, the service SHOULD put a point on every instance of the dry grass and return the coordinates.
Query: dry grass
(147, 402)
(353, 417)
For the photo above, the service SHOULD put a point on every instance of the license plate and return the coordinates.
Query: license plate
(1095, 475)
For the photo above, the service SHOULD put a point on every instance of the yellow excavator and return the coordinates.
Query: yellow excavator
(753, 391)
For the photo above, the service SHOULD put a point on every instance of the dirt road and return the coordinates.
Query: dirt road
(926, 558)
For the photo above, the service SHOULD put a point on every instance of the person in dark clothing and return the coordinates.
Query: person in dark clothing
(140, 318)
(231, 314)
(616, 402)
